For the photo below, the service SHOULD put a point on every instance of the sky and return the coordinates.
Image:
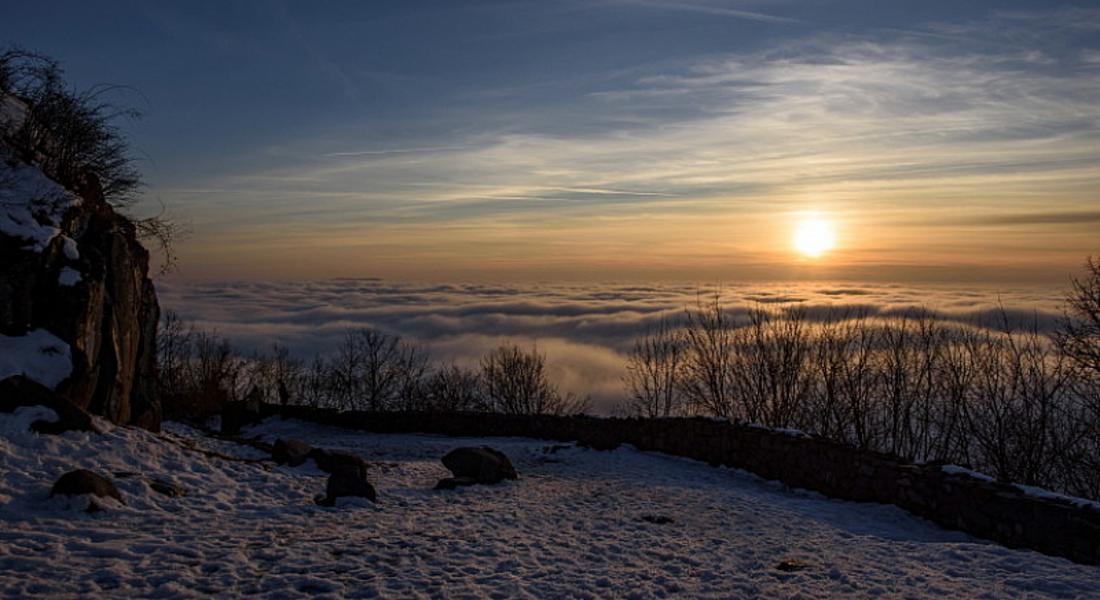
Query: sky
(604, 140)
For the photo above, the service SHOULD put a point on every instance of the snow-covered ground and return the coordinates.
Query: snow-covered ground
(571, 526)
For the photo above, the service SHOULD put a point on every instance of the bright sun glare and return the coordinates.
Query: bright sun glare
(814, 237)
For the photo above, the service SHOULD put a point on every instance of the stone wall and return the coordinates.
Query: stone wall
(985, 509)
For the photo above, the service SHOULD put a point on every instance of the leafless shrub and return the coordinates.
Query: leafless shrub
(653, 373)
(198, 372)
(1080, 335)
(454, 389)
(515, 381)
(71, 135)
(772, 376)
(1017, 405)
(66, 132)
(708, 366)
(376, 371)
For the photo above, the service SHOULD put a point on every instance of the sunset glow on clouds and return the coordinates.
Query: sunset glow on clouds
(632, 140)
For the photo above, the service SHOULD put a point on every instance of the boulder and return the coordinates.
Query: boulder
(83, 481)
(483, 465)
(347, 483)
(290, 452)
(335, 461)
(19, 391)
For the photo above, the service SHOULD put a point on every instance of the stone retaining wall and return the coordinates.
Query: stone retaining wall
(985, 509)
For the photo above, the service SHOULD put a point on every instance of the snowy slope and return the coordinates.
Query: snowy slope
(570, 527)
(38, 355)
(32, 206)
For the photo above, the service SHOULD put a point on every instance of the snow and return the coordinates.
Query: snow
(32, 206)
(957, 470)
(38, 355)
(1049, 495)
(783, 430)
(69, 276)
(571, 526)
(68, 246)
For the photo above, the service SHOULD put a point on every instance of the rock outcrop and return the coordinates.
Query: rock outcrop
(73, 267)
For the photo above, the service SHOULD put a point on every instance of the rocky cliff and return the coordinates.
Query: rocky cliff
(78, 312)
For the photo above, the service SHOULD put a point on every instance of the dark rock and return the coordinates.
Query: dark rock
(337, 461)
(484, 465)
(19, 391)
(83, 481)
(657, 519)
(451, 483)
(290, 452)
(347, 483)
(168, 488)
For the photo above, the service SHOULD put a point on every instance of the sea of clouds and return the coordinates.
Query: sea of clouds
(585, 330)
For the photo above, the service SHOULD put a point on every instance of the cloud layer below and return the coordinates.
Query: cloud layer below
(584, 330)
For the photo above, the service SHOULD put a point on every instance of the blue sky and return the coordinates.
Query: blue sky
(610, 138)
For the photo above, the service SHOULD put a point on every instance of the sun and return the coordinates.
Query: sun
(814, 237)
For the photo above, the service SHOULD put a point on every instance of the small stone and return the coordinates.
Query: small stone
(791, 566)
(657, 519)
(168, 488)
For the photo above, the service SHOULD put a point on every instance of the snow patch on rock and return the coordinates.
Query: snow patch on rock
(38, 355)
(69, 276)
(32, 207)
(787, 431)
(68, 246)
(1049, 495)
(957, 470)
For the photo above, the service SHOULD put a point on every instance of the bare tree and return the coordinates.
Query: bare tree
(1079, 337)
(653, 373)
(772, 355)
(707, 381)
(516, 382)
(376, 371)
(452, 388)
